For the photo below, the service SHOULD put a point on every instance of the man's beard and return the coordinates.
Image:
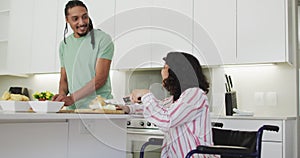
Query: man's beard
(85, 33)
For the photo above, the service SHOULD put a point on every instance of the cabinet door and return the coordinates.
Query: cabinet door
(34, 140)
(97, 138)
(215, 31)
(147, 30)
(172, 28)
(261, 31)
(132, 36)
(271, 149)
(43, 54)
(20, 33)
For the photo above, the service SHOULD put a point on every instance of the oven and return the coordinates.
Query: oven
(138, 133)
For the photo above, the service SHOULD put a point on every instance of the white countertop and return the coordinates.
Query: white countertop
(254, 117)
(56, 116)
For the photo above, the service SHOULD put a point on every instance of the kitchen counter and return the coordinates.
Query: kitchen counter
(240, 117)
(56, 116)
(62, 135)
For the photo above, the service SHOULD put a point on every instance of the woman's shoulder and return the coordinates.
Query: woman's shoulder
(193, 90)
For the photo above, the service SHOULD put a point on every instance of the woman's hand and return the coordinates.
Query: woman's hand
(125, 108)
(137, 94)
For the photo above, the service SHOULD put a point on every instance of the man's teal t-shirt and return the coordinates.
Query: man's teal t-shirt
(78, 57)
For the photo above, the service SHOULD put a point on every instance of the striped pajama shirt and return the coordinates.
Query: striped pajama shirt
(185, 123)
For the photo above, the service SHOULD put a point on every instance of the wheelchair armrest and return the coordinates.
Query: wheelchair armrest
(223, 150)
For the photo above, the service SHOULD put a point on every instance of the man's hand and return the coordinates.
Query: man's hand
(58, 97)
(69, 100)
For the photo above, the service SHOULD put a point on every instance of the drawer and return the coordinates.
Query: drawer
(254, 125)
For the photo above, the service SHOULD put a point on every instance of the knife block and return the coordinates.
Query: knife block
(230, 102)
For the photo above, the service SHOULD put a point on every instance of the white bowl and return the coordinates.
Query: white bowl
(46, 106)
(10, 105)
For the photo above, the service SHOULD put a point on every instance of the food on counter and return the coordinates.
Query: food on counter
(5, 96)
(15, 97)
(99, 103)
(42, 96)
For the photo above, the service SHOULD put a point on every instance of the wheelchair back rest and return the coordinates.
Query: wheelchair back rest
(235, 138)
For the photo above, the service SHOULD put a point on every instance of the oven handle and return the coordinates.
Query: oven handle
(144, 133)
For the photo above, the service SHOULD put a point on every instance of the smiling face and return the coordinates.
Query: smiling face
(78, 19)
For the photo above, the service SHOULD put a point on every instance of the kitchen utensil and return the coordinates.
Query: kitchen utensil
(228, 83)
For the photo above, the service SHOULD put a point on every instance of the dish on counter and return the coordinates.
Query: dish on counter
(16, 106)
(46, 106)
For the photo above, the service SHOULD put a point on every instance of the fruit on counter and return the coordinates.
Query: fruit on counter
(99, 103)
(15, 97)
(47, 95)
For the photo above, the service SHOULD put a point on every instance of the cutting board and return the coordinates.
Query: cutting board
(93, 111)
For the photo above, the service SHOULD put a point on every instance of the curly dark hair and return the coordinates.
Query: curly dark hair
(185, 72)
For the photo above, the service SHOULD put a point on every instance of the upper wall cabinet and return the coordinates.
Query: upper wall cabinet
(244, 31)
(266, 31)
(215, 31)
(4, 22)
(146, 30)
(32, 36)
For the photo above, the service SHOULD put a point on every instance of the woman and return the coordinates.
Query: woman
(183, 117)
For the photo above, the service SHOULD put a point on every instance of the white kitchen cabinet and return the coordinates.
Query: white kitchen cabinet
(32, 40)
(215, 31)
(20, 33)
(147, 30)
(274, 144)
(265, 31)
(4, 22)
(34, 140)
(95, 138)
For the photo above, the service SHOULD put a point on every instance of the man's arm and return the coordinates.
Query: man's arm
(63, 86)
(102, 71)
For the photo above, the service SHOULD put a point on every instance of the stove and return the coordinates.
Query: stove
(139, 131)
(140, 123)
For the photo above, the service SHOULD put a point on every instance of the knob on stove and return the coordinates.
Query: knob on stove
(128, 123)
(148, 124)
(142, 123)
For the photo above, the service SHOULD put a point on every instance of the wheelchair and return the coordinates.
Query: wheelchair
(157, 141)
(227, 143)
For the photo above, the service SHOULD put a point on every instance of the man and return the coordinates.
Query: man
(85, 58)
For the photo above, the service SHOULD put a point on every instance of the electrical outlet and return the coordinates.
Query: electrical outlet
(259, 98)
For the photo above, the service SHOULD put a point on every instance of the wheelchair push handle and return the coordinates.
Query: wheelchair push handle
(269, 128)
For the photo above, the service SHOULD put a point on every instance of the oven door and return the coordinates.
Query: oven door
(137, 137)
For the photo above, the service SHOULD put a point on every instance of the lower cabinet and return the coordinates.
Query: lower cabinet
(78, 138)
(94, 138)
(34, 140)
(280, 144)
